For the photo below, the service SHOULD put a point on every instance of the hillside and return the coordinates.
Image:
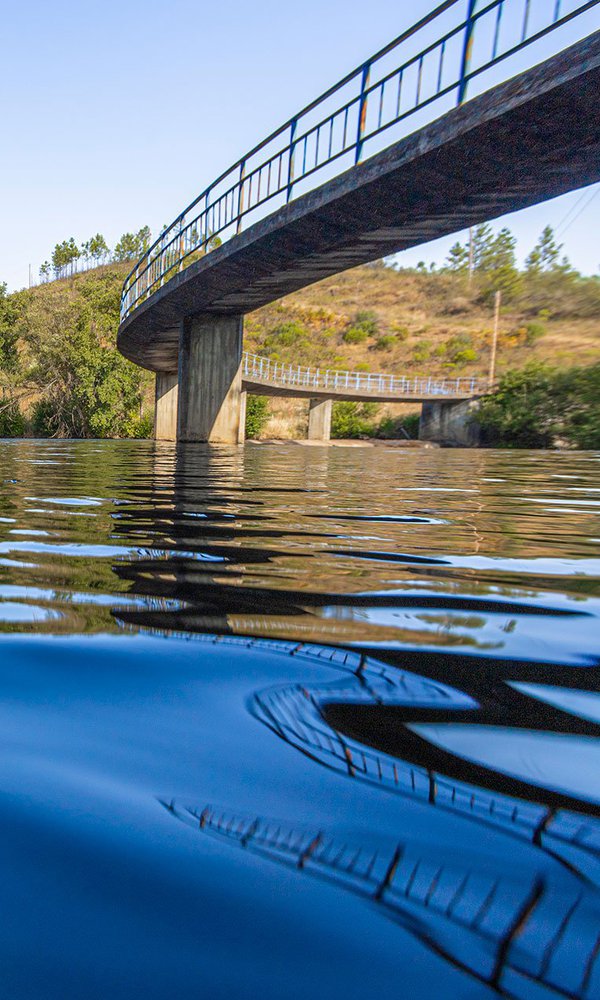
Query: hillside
(58, 357)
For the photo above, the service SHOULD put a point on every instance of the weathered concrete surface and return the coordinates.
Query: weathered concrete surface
(319, 419)
(242, 424)
(450, 424)
(527, 140)
(210, 379)
(165, 407)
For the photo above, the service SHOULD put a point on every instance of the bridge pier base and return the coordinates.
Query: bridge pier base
(451, 424)
(242, 425)
(165, 407)
(319, 419)
(210, 379)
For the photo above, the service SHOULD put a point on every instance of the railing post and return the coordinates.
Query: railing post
(362, 111)
(467, 52)
(241, 196)
(290, 183)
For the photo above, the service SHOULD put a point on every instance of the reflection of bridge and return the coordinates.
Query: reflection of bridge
(322, 387)
(265, 227)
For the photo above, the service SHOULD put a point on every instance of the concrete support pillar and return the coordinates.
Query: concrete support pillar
(210, 379)
(452, 424)
(242, 427)
(165, 407)
(319, 420)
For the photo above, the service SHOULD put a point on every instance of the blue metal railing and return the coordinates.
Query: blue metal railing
(415, 72)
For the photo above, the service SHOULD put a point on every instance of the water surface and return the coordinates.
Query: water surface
(289, 722)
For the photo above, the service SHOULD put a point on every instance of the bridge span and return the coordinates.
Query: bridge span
(330, 189)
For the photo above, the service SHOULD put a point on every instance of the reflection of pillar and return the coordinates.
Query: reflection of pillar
(165, 407)
(452, 423)
(319, 420)
(210, 379)
(242, 427)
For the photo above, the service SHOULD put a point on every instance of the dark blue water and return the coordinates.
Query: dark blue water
(289, 722)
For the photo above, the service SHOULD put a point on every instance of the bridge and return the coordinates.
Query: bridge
(401, 151)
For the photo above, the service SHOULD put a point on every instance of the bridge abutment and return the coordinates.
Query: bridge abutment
(210, 379)
(165, 407)
(319, 419)
(450, 423)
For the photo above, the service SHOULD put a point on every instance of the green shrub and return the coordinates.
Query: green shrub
(43, 419)
(368, 321)
(144, 428)
(422, 351)
(386, 343)
(355, 335)
(12, 421)
(392, 428)
(400, 332)
(257, 414)
(533, 333)
(524, 411)
(353, 420)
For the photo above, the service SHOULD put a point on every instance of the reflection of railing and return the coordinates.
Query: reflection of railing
(259, 369)
(514, 934)
(432, 61)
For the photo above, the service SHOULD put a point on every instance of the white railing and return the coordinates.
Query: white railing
(259, 369)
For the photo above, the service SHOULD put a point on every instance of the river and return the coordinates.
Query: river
(290, 722)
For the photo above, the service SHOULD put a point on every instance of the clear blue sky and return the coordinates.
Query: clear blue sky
(116, 114)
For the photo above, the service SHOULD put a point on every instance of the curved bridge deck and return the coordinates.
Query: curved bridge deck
(272, 378)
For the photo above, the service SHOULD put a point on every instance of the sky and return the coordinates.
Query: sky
(116, 113)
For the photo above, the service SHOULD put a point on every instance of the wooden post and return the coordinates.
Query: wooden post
(492, 375)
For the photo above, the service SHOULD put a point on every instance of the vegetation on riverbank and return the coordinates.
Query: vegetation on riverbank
(60, 373)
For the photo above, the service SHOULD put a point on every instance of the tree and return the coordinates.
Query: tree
(498, 265)
(133, 245)
(64, 256)
(545, 255)
(458, 258)
(483, 236)
(45, 269)
(9, 312)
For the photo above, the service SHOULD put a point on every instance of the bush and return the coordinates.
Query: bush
(368, 321)
(12, 421)
(524, 411)
(353, 420)
(386, 343)
(364, 325)
(257, 414)
(400, 332)
(144, 428)
(533, 332)
(355, 335)
(391, 428)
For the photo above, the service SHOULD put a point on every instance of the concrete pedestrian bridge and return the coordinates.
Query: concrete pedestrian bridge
(392, 156)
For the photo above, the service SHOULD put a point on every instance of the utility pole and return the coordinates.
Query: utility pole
(470, 256)
(492, 375)
(30, 275)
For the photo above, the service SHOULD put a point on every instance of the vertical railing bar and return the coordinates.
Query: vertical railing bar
(304, 155)
(399, 100)
(557, 10)
(362, 111)
(526, 19)
(441, 67)
(380, 116)
(466, 53)
(330, 137)
(497, 30)
(292, 144)
(317, 145)
(419, 81)
(345, 128)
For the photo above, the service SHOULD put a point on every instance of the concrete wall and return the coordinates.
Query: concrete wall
(319, 420)
(210, 379)
(450, 423)
(165, 407)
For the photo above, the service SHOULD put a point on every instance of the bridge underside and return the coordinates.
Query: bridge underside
(528, 140)
(270, 389)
